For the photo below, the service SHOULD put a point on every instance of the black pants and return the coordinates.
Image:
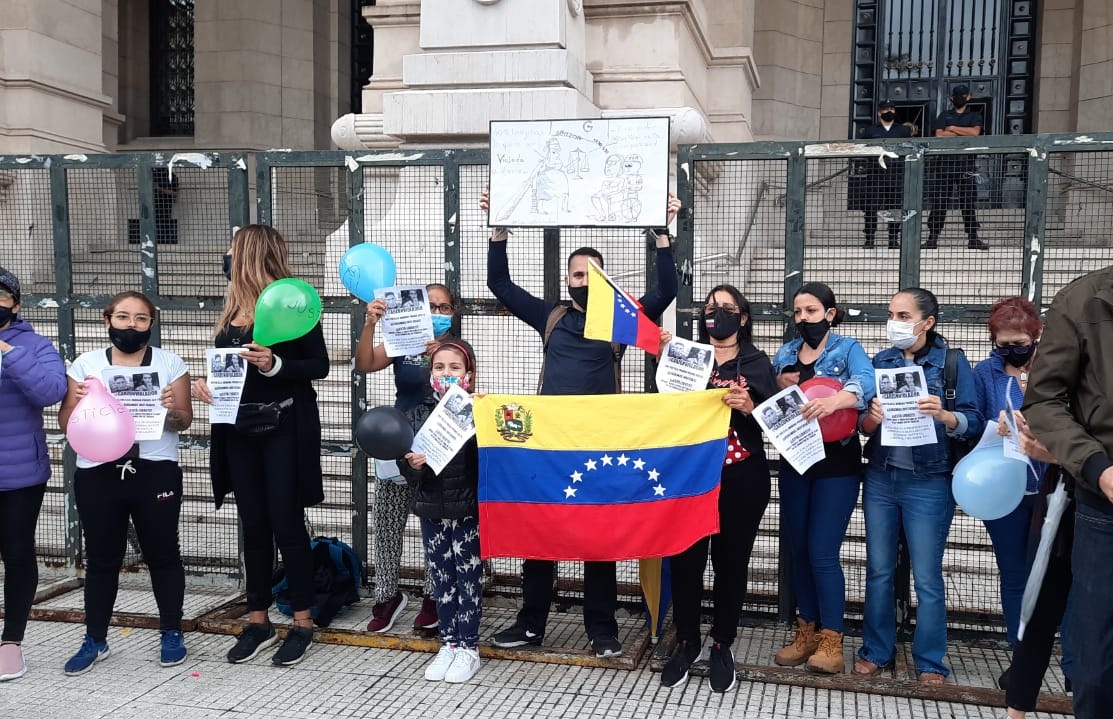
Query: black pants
(954, 181)
(870, 227)
(150, 494)
(743, 496)
(19, 513)
(1033, 653)
(264, 478)
(600, 597)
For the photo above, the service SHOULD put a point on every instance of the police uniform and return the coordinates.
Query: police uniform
(881, 188)
(954, 175)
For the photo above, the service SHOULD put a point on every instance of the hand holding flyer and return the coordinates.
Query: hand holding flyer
(447, 430)
(138, 389)
(684, 366)
(799, 441)
(407, 325)
(904, 425)
(226, 374)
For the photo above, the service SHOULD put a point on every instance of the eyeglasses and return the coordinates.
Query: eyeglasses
(442, 309)
(1015, 350)
(728, 307)
(123, 318)
(5, 295)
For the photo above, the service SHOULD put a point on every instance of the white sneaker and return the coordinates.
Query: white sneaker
(439, 666)
(464, 666)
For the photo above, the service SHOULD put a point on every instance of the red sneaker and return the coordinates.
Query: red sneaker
(384, 613)
(427, 617)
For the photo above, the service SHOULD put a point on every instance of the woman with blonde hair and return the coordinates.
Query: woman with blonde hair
(270, 457)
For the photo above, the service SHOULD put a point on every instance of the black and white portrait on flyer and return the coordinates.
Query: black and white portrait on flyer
(407, 325)
(799, 441)
(449, 427)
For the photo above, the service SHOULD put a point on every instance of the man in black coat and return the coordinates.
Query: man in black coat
(882, 186)
(956, 173)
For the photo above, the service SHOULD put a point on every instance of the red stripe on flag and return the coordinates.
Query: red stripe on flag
(596, 532)
(649, 334)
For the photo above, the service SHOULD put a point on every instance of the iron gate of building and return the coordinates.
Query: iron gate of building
(763, 216)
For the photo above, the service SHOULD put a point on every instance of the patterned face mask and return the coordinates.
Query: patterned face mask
(440, 385)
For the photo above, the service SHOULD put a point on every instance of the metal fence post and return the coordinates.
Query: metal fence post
(684, 247)
(1035, 217)
(912, 218)
(360, 473)
(148, 235)
(263, 208)
(239, 209)
(67, 339)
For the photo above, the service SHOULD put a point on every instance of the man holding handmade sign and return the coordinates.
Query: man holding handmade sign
(573, 364)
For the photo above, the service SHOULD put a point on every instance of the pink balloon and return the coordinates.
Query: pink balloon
(100, 428)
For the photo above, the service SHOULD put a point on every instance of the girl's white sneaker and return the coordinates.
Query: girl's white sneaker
(440, 665)
(464, 666)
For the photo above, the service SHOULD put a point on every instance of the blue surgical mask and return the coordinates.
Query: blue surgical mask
(441, 324)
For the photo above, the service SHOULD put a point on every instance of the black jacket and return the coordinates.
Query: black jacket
(303, 360)
(452, 494)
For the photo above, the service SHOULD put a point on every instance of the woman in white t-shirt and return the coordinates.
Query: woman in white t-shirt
(144, 485)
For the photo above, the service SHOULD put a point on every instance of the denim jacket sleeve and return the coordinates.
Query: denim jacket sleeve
(971, 420)
(861, 381)
(786, 355)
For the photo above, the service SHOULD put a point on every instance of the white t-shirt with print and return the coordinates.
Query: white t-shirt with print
(166, 364)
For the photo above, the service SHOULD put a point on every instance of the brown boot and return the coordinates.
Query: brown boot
(802, 647)
(828, 658)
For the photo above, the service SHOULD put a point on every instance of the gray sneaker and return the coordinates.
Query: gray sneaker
(254, 639)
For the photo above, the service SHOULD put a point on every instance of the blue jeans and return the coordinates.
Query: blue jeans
(1091, 618)
(815, 513)
(1010, 545)
(923, 505)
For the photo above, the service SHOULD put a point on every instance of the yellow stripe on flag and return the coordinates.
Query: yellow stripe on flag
(599, 324)
(601, 422)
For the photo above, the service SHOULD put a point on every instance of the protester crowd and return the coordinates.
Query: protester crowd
(1064, 427)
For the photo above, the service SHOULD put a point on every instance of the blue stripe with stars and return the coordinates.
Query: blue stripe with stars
(577, 477)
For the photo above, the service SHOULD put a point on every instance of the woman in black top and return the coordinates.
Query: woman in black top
(276, 473)
(743, 494)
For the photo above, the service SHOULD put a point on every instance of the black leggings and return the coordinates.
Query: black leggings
(743, 496)
(150, 494)
(264, 478)
(19, 513)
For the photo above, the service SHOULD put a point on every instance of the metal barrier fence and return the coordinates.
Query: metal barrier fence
(765, 217)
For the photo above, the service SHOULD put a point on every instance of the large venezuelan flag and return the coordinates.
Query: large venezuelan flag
(599, 477)
(614, 316)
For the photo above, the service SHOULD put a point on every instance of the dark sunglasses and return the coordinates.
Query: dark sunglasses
(1015, 350)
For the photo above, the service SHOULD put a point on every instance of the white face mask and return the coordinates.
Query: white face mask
(902, 335)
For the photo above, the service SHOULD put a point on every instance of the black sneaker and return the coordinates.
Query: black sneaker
(976, 244)
(723, 676)
(516, 636)
(868, 244)
(253, 640)
(931, 243)
(605, 647)
(676, 668)
(293, 649)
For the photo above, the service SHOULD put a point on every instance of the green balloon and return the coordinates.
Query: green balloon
(286, 309)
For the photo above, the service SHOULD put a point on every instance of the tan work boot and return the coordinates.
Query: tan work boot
(828, 658)
(802, 647)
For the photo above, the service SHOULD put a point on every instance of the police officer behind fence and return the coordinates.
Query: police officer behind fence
(882, 187)
(955, 174)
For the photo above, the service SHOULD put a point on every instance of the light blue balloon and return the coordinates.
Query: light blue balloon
(365, 268)
(987, 484)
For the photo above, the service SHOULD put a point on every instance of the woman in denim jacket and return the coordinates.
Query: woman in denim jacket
(816, 506)
(911, 487)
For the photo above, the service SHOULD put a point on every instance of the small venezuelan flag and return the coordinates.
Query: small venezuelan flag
(614, 316)
(600, 477)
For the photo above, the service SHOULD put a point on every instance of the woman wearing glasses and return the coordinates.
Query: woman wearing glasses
(393, 497)
(145, 486)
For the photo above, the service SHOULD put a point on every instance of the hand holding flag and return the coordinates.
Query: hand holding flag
(614, 316)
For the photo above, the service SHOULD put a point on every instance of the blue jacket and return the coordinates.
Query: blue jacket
(993, 383)
(842, 359)
(935, 458)
(32, 376)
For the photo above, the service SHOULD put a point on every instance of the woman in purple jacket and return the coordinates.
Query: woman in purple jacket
(32, 376)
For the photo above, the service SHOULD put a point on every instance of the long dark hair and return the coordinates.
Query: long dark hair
(745, 331)
(826, 297)
(928, 305)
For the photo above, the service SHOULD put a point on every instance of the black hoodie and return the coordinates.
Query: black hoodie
(751, 366)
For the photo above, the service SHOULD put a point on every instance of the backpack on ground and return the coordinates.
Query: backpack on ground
(337, 576)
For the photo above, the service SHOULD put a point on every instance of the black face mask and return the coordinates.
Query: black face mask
(7, 314)
(129, 341)
(813, 332)
(888, 116)
(721, 324)
(958, 102)
(228, 267)
(1020, 356)
(579, 295)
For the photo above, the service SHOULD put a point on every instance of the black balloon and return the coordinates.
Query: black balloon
(384, 433)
